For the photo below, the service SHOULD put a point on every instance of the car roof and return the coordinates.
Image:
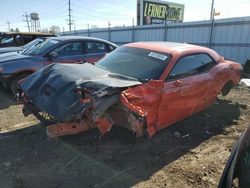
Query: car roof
(26, 33)
(166, 47)
(64, 38)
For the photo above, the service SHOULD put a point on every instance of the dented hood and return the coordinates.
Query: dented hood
(53, 88)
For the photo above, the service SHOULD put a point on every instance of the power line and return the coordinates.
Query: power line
(88, 16)
(55, 6)
(55, 16)
(52, 10)
(92, 10)
(58, 16)
(101, 13)
(53, 13)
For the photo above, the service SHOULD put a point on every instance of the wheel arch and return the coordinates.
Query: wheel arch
(227, 87)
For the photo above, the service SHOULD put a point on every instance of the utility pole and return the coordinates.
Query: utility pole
(27, 20)
(211, 30)
(8, 24)
(212, 11)
(70, 21)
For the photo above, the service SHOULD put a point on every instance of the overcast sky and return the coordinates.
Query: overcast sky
(99, 12)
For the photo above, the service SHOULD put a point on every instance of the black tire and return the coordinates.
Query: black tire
(227, 88)
(14, 83)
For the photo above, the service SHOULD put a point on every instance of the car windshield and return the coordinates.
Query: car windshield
(137, 63)
(7, 39)
(40, 48)
(33, 43)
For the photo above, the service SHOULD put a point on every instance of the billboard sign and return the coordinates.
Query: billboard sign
(156, 12)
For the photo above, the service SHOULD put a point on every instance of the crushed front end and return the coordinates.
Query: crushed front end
(68, 103)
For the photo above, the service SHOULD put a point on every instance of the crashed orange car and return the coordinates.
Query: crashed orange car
(143, 86)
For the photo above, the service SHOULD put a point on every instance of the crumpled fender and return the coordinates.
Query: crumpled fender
(144, 100)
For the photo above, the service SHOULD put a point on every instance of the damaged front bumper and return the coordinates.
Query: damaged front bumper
(133, 108)
(86, 115)
(68, 102)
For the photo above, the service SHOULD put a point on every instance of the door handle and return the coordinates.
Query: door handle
(177, 83)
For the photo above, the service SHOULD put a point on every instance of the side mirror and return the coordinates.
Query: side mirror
(52, 55)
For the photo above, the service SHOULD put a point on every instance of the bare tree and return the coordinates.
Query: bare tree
(93, 27)
(45, 30)
(54, 29)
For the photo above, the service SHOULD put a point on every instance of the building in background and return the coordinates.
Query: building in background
(157, 12)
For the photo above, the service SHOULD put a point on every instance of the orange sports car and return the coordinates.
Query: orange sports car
(143, 86)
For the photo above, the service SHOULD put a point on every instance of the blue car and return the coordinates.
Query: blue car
(15, 66)
(21, 48)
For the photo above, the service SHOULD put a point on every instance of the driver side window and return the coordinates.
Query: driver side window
(69, 49)
(191, 65)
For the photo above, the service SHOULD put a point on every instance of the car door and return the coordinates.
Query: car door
(95, 50)
(185, 90)
(71, 52)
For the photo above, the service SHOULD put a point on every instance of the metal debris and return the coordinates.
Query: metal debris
(177, 134)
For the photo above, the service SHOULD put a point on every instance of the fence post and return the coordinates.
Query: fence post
(165, 31)
(109, 31)
(133, 33)
(88, 31)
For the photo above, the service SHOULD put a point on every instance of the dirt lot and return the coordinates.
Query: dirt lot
(191, 153)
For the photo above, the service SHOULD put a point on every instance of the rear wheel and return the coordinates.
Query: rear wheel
(14, 83)
(227, 88)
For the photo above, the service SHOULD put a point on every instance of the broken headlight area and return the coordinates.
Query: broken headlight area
(89, 111)
(44, 117)
(133, 108)
(74, 102)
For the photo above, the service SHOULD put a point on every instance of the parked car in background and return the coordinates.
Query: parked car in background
(16, 39)
(21, 48)
(67, 49)
(144, 87)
